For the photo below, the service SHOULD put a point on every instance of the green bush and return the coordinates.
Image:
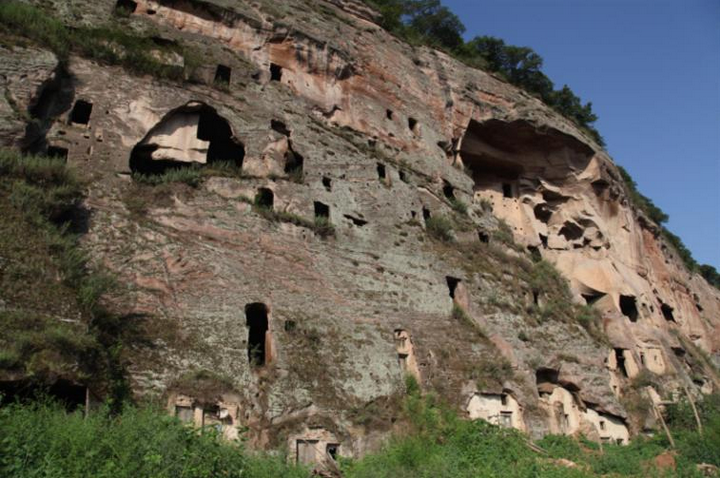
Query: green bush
(459, 206)
(44, 440)
(440, 227)
(192, 176)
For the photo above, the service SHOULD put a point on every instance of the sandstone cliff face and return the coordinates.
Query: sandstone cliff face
(329, 115)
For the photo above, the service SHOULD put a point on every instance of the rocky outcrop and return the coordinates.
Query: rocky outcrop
(330, 118)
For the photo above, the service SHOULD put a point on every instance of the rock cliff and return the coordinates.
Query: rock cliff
(318, 274)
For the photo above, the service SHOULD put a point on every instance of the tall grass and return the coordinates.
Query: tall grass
(43, 440)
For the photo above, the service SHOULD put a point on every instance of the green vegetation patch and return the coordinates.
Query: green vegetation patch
(44, 440)
(112, 44)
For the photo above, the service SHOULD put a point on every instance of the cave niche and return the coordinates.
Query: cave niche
(191, 135)
(497, 153)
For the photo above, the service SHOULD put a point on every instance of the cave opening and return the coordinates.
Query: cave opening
(256, 315)
(543, 240)
(413, 124)
(264, 198)
(452, 283)
(280, 127)
(426, 214)
(69, 394)
(381, 171)
(294, 163)
(332, 450)
(223, 73)
(81, 112)
(57, 152)
(535, 253)
(275, 72)
(628, 307)
(542, 212)
(546, 376)
(667, 312)
(192, 135)
(507, 189)
(448, 190)
(620, 360)
(327, 183)
(496, 154)
(223, 147)
(483, 237)
(389, 115)
(592, 297)
(128, 6)
(571, 231)
(322, 211)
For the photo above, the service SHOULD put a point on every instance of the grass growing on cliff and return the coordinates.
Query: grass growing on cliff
(440, 227)
(52, 322)
(44, 440)
(44, 276)
(110, 44)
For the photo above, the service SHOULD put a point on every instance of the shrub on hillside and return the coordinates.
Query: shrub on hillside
(440, 227)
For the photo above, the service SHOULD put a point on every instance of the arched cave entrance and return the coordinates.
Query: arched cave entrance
(192, 135)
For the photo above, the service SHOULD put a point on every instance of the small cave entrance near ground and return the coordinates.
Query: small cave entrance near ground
(497, 153)
(265, 198)
(81, 112)
(667, 312)
(628, 307)
(194, 134)
(256, 315)
(332, 450)
(223, 74)
(70, 395)
(57, 152)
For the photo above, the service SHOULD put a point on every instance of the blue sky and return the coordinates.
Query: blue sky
(652, 71)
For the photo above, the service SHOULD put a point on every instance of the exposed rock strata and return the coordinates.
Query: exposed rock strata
(384, 135)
